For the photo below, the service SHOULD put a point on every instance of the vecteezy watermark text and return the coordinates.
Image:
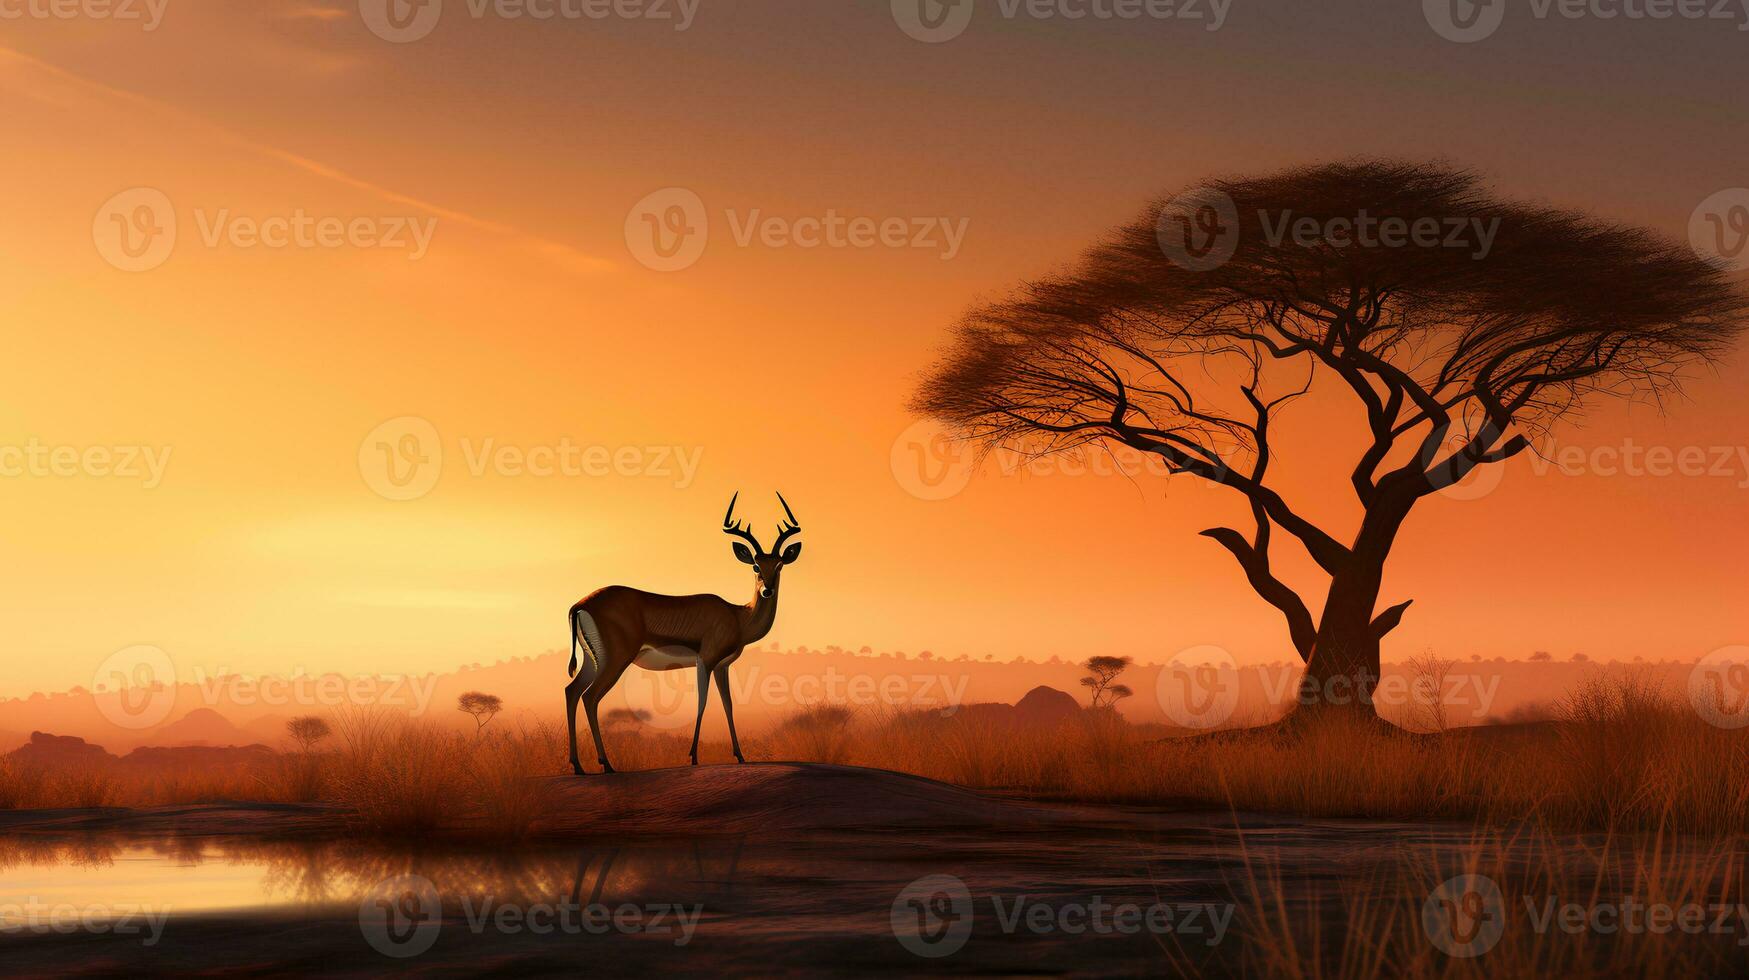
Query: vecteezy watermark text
(1201, 229)
(316, 691)
(64, 918)
(136, 230)
(396, 233)
(571, 918)
(404, 21)
(36, 459)
(668, 698)
(147, 13)
(936, 21)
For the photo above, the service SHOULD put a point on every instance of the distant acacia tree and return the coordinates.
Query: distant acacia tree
(1187, 332)
(622, 717)
(307, 731)
(482, 706)
(1102, 674)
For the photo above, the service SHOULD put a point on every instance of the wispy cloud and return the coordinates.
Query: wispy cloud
(314, 12)
(546, 247)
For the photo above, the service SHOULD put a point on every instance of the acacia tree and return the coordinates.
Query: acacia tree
(1101, 679)
(483, 707)
(307, 730)
(1459, 347)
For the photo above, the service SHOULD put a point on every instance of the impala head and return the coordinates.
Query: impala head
(767, 565)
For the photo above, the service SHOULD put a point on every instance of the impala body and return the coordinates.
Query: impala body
(618, 626)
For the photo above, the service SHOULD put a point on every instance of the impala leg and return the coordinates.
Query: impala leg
(598, 688)
(573, 691)
(704, 692)
(722, 674)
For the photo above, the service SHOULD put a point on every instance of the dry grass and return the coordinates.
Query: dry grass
(1619, 757)
(1377, 927)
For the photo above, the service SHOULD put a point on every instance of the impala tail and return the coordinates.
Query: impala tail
(583, 635)
(571, 671)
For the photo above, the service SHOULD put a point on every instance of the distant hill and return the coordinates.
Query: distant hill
(202, 726)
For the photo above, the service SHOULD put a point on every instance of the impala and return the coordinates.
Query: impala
(619, 626)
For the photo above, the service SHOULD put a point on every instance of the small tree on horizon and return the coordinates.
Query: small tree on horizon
(625, 716)
(307, 731)
(1102, 674)
(483, 707)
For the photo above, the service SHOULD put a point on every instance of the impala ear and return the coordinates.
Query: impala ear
(791, 553)
(743, 553)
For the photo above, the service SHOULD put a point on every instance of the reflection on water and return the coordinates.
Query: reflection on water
(1185, 855)
(192, 875)
(805, 902)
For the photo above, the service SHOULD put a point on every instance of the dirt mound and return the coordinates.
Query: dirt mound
(766, 798)
(1045, 706)
(202, 726)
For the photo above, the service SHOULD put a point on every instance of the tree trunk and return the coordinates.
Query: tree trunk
(1343, 671)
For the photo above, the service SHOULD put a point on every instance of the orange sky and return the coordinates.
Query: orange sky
(527, 321)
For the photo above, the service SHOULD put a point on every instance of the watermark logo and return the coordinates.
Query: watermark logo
(1199, 687)
(1469, 21)
(1464, 21)
(135, 230)
(401, 459)
(1199, 229)
(930, 464)
(1446, 466)
(662, 691)
(1465, 916)
(1718, 687)
(667, 231)
(933, 21)
(401, 917)
(135, 687)
(1719, 229)
(401, 21)
(932, 917)
(665, 699)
